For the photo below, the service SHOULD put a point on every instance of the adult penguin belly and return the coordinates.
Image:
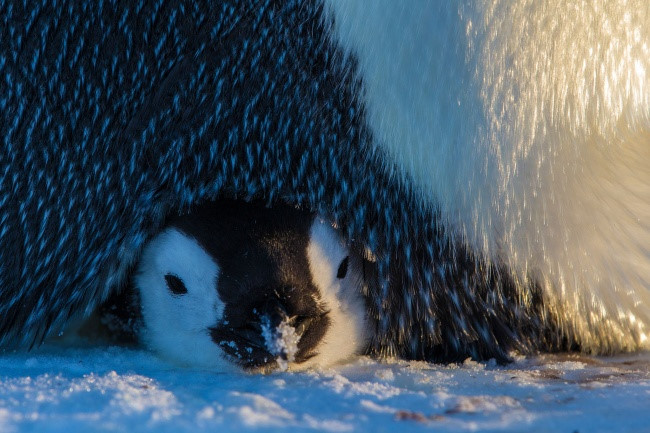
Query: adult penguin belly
(527, 125)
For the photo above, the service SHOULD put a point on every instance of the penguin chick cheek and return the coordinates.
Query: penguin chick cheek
(339, 278)
(176, 281)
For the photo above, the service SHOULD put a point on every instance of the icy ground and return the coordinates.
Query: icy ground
(67, 389)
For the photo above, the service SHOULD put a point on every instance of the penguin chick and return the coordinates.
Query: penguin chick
(240, 284)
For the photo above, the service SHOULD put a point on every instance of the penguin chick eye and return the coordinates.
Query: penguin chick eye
(175, 284)
(343, 268)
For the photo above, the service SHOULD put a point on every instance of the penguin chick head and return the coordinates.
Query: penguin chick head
(237, 284)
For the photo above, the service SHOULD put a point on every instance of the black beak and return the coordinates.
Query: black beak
(247, 342)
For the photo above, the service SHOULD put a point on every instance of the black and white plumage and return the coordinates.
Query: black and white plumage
(239, 283)
(491, 154)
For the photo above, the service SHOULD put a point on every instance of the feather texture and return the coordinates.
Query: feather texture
(115, 115)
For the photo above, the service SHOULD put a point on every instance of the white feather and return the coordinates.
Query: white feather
(528, 123)
(348, 333)
(177, 327)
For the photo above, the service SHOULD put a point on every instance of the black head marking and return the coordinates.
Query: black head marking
(264, 275)
(175, 285)
(343, 268)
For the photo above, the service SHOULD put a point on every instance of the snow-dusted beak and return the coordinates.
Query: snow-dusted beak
(271, 337)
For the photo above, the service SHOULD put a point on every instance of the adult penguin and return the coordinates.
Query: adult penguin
(491, 155)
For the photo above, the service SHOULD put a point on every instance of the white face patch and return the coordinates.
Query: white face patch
(177, 325)
(337, 275)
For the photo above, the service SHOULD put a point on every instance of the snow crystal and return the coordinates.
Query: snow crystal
(206, 413)
(327, 425)
(379, 408)
(262, 411)
(281, 342)
(386, 375)
(342, 385)
(481, 403)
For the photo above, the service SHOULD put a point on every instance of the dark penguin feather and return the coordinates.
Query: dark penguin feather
(115, 116)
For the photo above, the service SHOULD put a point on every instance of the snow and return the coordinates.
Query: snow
(281, 341)
(66, 388)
